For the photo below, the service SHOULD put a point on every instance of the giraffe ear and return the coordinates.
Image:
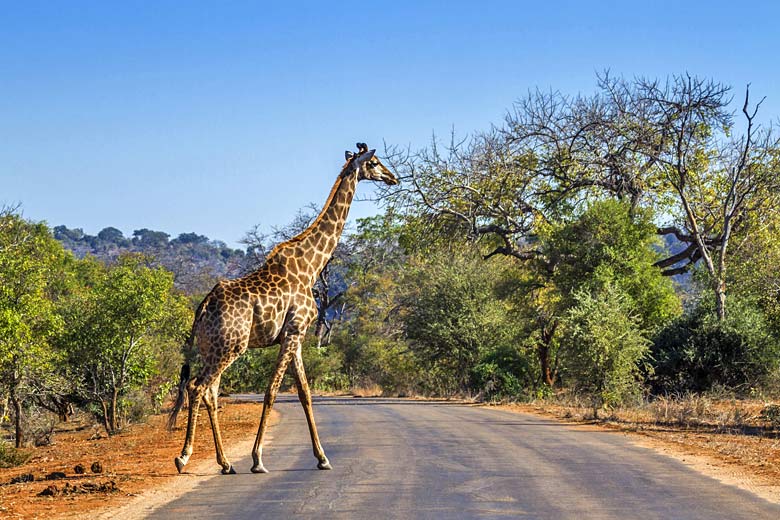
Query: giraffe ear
(348, 155)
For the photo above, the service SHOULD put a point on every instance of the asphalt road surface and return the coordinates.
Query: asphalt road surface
(395, 458)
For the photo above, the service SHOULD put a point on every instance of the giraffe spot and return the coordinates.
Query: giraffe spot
(327, 227)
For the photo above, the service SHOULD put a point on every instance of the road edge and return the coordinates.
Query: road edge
(144, 503)
(730, 473)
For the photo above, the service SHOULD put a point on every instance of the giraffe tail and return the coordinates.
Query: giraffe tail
(181, 396)
(184, 375)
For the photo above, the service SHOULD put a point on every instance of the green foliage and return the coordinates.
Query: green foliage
(452, 318)
(250, 372)
(755, 269)
(698, 352)
(11, 457)
(504, 373)
(122, 323)
(609, 245)
(605, 346)
(253, 370)
(30, 269)
(367, 338)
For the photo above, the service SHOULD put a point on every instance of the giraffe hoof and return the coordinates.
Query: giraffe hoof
(259, 468)
(229, 471)
(180, 463)
(324, 465)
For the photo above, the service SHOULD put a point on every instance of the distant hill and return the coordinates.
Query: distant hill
(195, 260)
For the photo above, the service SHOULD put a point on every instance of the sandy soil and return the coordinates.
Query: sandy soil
(137, 462)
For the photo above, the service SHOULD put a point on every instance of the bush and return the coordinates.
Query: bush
(503, 373)
(11, 457)
(452, 319)
(771, 414)
(604, 346)
(696, 352)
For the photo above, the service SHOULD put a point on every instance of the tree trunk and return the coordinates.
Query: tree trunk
(543, 351)
(17, 419)
(720, 300)
(319, 330)
(544, 364)
(106, 424)
(114, 418)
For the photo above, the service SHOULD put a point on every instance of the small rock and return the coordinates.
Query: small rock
(50, 491)
(79, 469)
(28, 477)
(97, 467)
(55, 475)
(109, 487)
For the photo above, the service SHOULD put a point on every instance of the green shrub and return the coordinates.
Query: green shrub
(697, 352)
(11, 457)
(503, 373)
(605, 347)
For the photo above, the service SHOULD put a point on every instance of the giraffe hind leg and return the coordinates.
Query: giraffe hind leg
(195, 393)
(304, 395)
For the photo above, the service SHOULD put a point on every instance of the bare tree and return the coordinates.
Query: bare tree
(476, 186)
(722, 182)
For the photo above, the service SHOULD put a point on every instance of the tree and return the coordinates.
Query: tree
(148, 238)
(29, 258)
(371, 342)
(606, 244)
(113, 328)
(698, 352)
(112, 235)
(478, 188)
(754, 274)
(489, 194)
(722, 181)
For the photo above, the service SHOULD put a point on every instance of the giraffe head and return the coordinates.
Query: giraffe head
(368, 166)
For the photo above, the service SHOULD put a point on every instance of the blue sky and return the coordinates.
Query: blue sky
(215, 116)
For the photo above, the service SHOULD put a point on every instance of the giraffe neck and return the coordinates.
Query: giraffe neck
(318, 241)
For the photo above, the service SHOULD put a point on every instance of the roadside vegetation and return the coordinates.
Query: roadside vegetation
(608, 252)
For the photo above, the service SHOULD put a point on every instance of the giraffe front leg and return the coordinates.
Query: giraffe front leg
(304, 395)
(268, 402)
(210, 400)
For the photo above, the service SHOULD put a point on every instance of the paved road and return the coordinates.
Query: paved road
(394, 458)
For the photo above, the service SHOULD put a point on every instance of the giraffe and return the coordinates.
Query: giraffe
(273, 305)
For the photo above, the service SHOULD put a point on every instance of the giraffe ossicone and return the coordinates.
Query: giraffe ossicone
(273, 305)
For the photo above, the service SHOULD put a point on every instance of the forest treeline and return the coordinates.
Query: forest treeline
(615, 246)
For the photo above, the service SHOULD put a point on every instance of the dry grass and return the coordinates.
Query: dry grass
(367, 391)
